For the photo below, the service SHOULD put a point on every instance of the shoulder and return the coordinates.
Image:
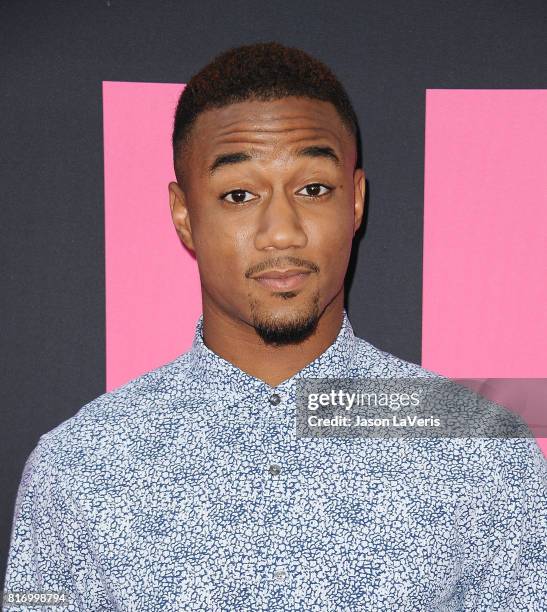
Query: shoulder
(107, 433)
(502, 459)
(373, 361)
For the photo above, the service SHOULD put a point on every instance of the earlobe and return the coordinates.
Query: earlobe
(180, 215)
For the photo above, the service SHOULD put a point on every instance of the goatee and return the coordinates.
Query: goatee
(281, 333)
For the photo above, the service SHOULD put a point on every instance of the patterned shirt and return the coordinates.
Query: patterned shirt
(187, 489)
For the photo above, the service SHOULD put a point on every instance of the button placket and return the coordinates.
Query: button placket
(275, 482)
(274, 434)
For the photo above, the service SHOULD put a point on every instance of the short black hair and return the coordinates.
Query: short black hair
(260, 71)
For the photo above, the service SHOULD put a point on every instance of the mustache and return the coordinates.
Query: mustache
(281, 262)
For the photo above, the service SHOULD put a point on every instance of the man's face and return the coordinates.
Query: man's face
(270, 190)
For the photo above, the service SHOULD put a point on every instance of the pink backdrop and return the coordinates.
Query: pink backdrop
(485, 234)
(153, 296)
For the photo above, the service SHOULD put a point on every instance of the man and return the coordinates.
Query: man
(188, 488)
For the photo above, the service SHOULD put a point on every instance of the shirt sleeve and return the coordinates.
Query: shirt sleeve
(506, 533)
(51, 550)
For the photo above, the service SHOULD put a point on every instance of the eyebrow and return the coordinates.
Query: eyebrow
(226, 159)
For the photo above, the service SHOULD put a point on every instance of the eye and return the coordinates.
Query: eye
(314, 190)
(238, 196)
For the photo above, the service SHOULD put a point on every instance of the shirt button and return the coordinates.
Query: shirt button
(274, 469)
(275, 399)
(280, 575)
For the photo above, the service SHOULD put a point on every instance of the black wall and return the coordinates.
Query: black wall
(55, 56)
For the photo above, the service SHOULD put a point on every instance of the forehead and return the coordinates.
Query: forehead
(267, 125)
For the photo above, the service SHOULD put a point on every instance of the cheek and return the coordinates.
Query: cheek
(333, 244)
(221, 250)
(336, 261)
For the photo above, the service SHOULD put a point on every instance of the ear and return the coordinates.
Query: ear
(180, 215)
(359, 186)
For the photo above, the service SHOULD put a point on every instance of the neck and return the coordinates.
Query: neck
(237, 342)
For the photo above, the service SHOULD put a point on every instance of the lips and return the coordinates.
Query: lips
(283, 280)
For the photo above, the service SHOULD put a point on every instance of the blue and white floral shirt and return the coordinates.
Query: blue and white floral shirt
(187, 489)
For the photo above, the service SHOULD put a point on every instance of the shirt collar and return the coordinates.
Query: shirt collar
(212, 370)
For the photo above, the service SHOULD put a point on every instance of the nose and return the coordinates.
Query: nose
(279, 225)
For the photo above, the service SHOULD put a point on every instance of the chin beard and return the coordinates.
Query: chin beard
(281, 333)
